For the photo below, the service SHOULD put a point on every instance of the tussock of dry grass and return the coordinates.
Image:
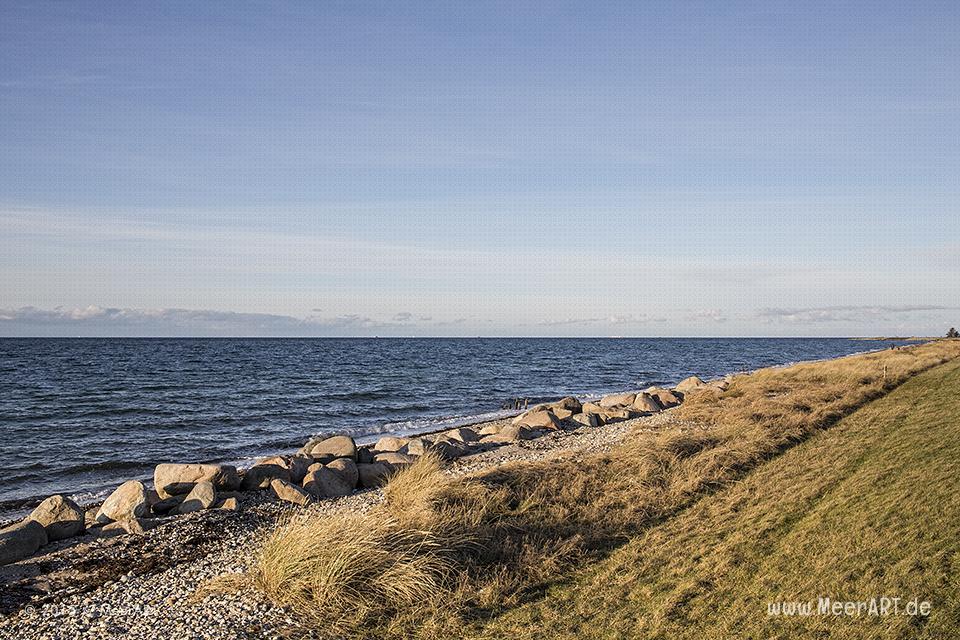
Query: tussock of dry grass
(481, 544)
(338, 572)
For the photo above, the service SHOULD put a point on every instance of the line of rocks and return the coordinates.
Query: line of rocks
(327, 467)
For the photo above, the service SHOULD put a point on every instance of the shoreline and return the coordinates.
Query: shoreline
(94, 497)
(146, 585)
(96, 580)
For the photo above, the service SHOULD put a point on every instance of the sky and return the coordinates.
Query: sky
(502, 169)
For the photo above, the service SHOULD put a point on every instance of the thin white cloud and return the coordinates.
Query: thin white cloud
(708, 315)
(843, 313)
(95, 320)
(616, 319)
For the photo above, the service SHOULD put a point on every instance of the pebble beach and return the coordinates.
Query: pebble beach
(152, 584)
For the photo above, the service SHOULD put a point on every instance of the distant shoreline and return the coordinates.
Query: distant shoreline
(896, 338)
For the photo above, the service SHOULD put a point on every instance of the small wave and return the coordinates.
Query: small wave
(108, 465)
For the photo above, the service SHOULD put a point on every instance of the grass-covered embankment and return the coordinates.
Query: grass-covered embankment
(868, 508)
(532, 549)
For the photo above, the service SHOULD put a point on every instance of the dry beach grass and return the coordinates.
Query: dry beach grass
(466, 551)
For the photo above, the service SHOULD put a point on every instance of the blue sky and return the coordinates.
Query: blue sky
(487, 169)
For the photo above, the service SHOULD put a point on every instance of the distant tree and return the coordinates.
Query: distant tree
(953, 333)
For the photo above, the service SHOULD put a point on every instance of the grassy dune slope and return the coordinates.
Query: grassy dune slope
(869, 507)
(444, 556)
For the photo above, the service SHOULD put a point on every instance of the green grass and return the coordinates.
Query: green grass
(868, 507)
(610, 537)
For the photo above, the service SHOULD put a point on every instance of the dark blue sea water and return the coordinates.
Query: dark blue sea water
(81, 415)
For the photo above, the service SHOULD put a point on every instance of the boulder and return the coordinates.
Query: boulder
(203, 496)
(332, 448)
(445, 448)
(569, 403)
(230, 504)
(690, 384)
(586, 419)
(665, 397)
(391, 443)
(165, 506)
(646, 402)
(21, 540)
(491, 429)
(288, 492)
(262, 474)
(463, 434)
(347, 469)
(129, 500)
(60, 517)
(591, 407)
(511, 433)
(566, 406)
(618, 415)
(618, 400)
(418, 446)
(540, 408)
(538, 420)
(374, 474)
(298, 465)
(178, 479)
(720, 385)
(449, 449)
(395, 459)
(327, 483)
(364, 455)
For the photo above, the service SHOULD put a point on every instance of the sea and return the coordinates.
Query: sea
(80, 416)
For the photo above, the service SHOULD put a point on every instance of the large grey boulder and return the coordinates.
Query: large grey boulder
(646, 402)
(587, 419)
(665, 397)
(327, 483)
(129, 500)
(395, 459)
(391, 444)
(21, 540)
(330, 449)
(347, 469)
(449, 449)
(178, 479)
(690, 384)
(569, 403)
(374, 474)
(167, 505)
(462, 434)
(617, 400)
(202, 496)
(618, 415)
(538, 420)
(61, 517)
(445, 448)
(260, 475)
(489, 430)
(592, 407)
(298, 465)
(289, 492)
(511, 433)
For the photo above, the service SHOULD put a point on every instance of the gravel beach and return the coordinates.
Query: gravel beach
(150, 586)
